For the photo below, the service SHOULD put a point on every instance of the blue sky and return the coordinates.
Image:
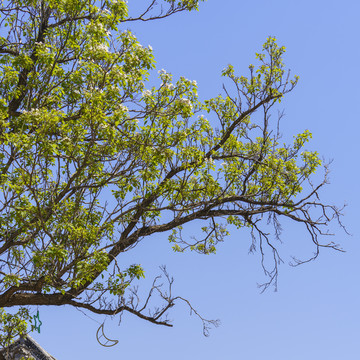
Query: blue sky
(315, 313)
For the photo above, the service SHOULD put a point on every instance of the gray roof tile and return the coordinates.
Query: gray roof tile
(27, 348)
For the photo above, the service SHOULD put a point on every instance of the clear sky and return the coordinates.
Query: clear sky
(315, 314)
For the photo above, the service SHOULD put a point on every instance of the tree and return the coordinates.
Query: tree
(79, 123)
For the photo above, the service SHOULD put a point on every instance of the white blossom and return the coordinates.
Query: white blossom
(123, 108)
(186, 102)
(119, 1)
(146, 93)
(105, 11)
(99, 47)
(33, 111)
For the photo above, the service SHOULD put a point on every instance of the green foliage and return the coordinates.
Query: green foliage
(13, 325)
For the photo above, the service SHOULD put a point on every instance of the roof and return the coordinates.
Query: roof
(25, 347)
